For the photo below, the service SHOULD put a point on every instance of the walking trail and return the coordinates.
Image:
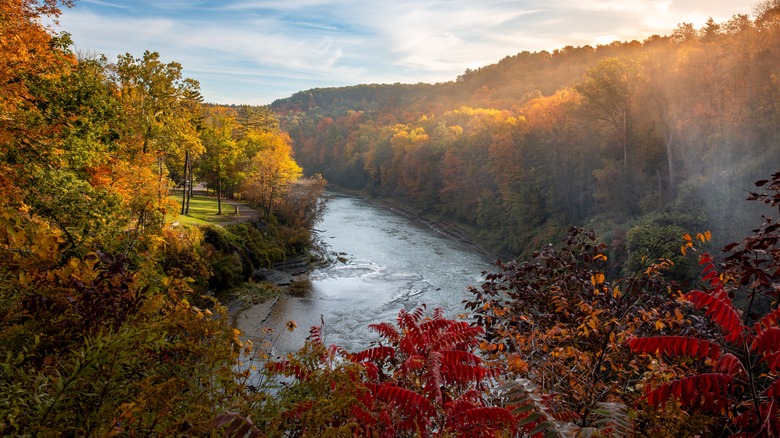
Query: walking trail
(245, 212)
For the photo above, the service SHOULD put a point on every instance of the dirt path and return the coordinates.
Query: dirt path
(245, 212)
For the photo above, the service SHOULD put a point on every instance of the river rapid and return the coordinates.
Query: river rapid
(382, 262)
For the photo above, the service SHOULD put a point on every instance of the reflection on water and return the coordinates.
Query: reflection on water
(388, 262)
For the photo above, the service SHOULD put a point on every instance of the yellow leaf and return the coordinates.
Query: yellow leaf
(659, 325)
(600, 257)
(597, 278)
(683, 249)
(616, 292)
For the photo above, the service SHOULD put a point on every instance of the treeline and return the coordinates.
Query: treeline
(661, 133)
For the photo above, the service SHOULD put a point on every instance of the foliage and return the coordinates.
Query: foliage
(424, 381)
(560, 322)
(591, 136)
(740, 384)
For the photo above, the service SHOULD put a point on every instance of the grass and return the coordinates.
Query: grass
(203, 211)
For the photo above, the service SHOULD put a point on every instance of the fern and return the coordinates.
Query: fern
(615, 420)
(675, 345)
(532, 413)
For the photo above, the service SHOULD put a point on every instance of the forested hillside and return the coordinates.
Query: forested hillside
(660, 134)
(111, 322)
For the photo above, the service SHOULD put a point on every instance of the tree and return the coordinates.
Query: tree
(221, 150)
(607, 90)
(271, 170)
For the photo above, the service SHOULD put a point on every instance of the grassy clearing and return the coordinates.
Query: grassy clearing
(203, 211)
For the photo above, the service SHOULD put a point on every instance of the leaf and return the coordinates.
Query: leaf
(376, 354)
(675, 346)
(768, 341)
(769, 320)
(731, 365)
(615, 419)
(387, 331)
(411, 403)
(721, 311)
(709, 391)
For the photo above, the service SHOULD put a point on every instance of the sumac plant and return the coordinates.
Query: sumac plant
(422, 378)
(741, 386)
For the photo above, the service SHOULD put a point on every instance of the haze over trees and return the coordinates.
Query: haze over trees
(670, 130)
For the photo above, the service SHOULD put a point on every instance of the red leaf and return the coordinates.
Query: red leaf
(483, 416)
(460, 357)
(709, 391)
(773, 390)
(768, 321)
(372, 371)
(772, 361)
(387, 331)
(376, 354)
(409, 402)
(720, 311)
(460, 374)
(731, 365)
(675, 346)
(767, 342)
(458, 335)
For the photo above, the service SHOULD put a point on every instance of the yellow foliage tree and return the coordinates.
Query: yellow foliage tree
(272, 170)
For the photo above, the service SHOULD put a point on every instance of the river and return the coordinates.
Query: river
(384, 262)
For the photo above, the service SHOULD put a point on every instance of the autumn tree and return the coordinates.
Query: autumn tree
(272, 170)
(221, 151)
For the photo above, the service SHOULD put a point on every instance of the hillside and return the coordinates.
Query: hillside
(668, 133)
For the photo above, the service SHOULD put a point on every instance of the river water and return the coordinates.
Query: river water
(384, 262)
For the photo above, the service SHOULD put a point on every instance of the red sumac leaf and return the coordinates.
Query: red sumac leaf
(709, 391)
(675, 346)
(374, 354)
(720, 311)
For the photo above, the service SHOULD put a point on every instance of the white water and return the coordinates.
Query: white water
(392, 262)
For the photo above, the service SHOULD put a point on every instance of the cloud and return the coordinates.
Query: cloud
(282, 46)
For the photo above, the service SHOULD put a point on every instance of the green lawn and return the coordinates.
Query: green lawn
(203, 211)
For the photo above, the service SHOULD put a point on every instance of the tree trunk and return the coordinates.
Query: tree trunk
(219, 196)
(670, 161)
(184, 191)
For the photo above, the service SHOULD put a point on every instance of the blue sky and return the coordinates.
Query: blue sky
(256, 51)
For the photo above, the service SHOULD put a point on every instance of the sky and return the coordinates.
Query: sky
(256, 51)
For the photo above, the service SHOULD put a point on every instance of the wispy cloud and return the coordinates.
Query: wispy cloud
(255, 51)
(108, 4)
